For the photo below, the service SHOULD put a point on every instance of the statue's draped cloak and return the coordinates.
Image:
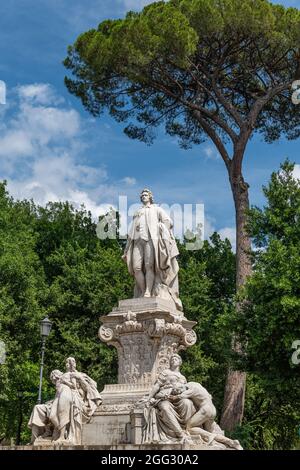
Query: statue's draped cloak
(166, 266)
(71, 407)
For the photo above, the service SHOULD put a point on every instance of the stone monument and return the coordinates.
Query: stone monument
(148, 331)
(152, 405)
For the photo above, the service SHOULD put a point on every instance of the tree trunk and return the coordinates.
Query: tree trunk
(243, 242)
(234, 396)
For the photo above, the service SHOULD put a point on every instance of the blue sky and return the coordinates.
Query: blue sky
(51, 149)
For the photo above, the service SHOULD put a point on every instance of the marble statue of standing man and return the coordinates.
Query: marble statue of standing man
(151, 252)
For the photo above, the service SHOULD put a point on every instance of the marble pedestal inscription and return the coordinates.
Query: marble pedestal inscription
(146, 332)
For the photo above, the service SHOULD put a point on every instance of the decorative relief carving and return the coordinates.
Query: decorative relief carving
(157, 328)
(175, 329)
(115, 408)
(145, 343)
(136, 359)
(190, 338)
(106, 334)
(130, 324)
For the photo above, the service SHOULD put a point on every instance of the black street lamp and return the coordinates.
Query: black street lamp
(45, 331)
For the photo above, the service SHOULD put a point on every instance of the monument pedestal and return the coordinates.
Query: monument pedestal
(118, 420)
(146, 332)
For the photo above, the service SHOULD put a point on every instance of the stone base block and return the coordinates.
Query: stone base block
(116, 421)
(119, 447)
(109, 430)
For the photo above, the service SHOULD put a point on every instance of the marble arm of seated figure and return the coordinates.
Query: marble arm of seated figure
(147, 399)
(155, 389)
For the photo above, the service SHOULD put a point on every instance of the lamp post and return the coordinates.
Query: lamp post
(45, 331)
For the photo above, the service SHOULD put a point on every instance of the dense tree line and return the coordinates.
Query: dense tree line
(216, 70)
(271, 320)
(52, 263)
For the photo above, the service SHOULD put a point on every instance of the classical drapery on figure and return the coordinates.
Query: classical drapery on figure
(167, 414)
(75, 401)
(177, 410)
(74, 406)
(158, 228)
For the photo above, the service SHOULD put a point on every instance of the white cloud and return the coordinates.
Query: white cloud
(129, 181)
(33, 126)
(49, 123)
(41, 93)
(210, 153)
(230, 233)
(59, 178)
(15, 143)
(42, 144)
(297, 171)
(136, 4)
(209, 227)
(2, 92)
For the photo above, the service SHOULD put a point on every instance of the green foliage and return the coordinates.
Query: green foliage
(271, 321)
(207, 282)
(193, 64)
(271, 420)
(22, 291)
(52, 263)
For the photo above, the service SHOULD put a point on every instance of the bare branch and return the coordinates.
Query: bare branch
(195, 107)
(227, 105)
(261, 102)
(214, 137)
(246, 131)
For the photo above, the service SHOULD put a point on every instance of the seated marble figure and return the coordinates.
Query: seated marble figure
(176, 410)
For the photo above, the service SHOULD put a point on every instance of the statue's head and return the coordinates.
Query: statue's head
(70, 364)
(175, 361)
(146, 196)
(55, 375)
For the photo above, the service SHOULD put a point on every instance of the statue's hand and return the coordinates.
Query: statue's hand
(150, 402)
(69, 384)
(124, 257)
(146, 401)
(143, 401)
